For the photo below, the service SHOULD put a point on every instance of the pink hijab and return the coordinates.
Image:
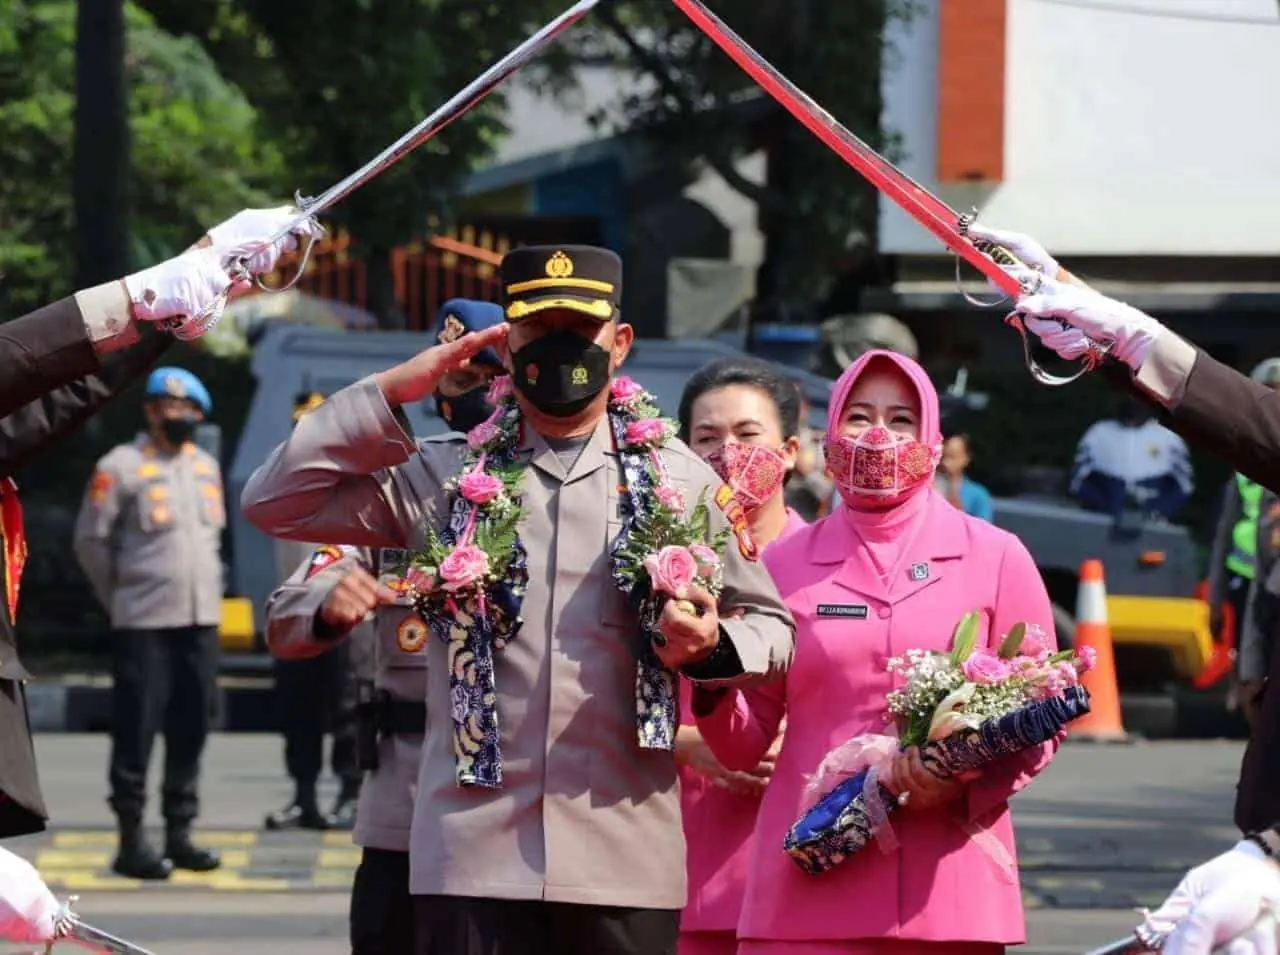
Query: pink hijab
(886, 533)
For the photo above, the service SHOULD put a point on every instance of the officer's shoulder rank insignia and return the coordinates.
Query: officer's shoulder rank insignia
(411, 634)
(324, 556)
(736, 514)
(453, 330)
(148, 470)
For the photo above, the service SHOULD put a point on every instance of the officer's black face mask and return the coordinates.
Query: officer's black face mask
(178, 431)
(463, 412)
(560, 373)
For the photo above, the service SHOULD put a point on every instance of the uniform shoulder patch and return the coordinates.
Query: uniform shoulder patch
(326, 555)
(100, 485)
(736, 514)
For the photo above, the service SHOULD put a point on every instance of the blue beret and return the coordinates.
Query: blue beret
(460, 316)
(179, 383)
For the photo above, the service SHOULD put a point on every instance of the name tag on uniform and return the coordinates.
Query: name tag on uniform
(847, 611)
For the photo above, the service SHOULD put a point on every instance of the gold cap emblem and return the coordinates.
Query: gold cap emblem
(559, 266)
(453, 329)
(174, 387)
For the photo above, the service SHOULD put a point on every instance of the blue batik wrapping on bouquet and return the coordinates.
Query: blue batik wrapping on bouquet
(846, 819)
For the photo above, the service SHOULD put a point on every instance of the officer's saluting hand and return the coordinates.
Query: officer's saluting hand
(415, 379)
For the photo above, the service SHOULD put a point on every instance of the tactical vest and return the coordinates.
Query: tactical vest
(1242, 558)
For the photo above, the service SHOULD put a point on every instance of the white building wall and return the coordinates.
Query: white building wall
(1126, 133)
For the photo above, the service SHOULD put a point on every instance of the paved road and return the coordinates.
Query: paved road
(1106, 828)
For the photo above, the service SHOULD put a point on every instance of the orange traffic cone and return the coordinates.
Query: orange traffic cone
(1103, 722)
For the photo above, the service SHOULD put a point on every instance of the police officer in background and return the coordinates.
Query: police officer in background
(313, 695)
(149, 539)
(462, 398)
(1232, 559)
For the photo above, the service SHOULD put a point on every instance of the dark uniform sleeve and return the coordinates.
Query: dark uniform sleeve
(31, 429)
(56, 344)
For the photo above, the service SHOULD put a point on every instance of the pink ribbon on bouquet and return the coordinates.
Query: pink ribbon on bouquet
(871, 752)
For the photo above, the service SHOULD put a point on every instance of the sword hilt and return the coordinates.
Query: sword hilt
(1005, 258)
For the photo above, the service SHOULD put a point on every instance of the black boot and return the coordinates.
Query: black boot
(297, 815)
(343, 814)
(184, 855)
(136, 859)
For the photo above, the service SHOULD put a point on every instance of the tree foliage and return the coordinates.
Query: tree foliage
(697, 104)
(196, 152)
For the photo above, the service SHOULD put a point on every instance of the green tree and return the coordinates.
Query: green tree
(817, 215)
(338, 82)
(196, 152)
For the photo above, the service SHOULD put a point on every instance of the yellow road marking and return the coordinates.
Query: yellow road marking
(338, 859)
(214, 838)
(91, 881)
(336, 837)
(234, 882)
(331, 880)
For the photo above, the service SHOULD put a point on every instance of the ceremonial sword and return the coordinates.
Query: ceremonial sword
(69, 928)
(310, 207)
(1145, 941)
(927, 209)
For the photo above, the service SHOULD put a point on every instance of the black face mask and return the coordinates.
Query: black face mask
(178, 431)
(465, 411)
(560, 373)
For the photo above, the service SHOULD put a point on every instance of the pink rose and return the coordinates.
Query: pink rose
(983, 666)
(463, 567)
(649, 431)
(625, 390)
(1036, 643)
(482, 435)
(420, 580)
(1087, 658)
(478, 487)
(1066, 673)
(671, 569)
(708, 560)
(500, 389)
(669, 497)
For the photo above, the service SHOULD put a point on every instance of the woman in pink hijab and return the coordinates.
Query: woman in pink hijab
(743, 418)
(894, 568)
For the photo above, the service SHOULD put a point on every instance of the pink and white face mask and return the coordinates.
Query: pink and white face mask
(754, 471)
(879, 466)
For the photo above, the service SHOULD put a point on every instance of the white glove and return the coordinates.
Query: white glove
(1023, 246)
(1087, 315)
(28, 909)
(1221, 901)
(179, 287)
(239, 234)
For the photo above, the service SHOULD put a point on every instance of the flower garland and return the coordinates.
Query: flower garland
(469, 580)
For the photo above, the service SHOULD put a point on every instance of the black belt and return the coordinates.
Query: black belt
(401, 717)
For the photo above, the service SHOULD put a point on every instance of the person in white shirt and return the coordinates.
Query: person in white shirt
(1132, 461)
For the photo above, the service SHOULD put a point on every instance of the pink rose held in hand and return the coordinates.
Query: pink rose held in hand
(708, 560)
(985, 667)
(464, 566)
(671, 569)
(1035, 643)
(479, 488)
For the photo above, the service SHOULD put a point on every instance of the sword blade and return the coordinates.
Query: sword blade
(918, 202)
(467, 98)
(95, 939)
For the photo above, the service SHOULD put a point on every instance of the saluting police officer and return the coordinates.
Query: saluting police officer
(325, 605)
(577, 849)
(315, 695)
(149, 539)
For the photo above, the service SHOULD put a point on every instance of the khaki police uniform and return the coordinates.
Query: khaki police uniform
(392, 720)
(148, 537)
(585, 816)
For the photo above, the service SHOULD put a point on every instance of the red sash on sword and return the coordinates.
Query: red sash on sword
(14, 541)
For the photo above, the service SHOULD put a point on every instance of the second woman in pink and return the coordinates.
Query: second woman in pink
(894, 568)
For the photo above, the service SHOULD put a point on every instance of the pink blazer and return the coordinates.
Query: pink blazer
(939, 884)
(717, 828)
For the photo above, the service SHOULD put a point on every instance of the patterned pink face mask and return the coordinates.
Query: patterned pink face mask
(755, 472)
(879, 466)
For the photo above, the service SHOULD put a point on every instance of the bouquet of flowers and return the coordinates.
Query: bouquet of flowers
(963, 709)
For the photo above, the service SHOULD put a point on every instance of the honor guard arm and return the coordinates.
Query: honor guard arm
(294, 628)
(29, 431)
(58, 343)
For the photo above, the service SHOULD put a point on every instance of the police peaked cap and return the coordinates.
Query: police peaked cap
(461, 316)
(179, 383)
(580, 278)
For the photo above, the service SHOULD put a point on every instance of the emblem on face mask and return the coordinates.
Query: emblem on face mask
(531, 372)
(559, 266)
(579, 375)
(452, 331)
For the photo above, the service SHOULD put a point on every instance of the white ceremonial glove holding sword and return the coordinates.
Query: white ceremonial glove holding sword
(28, 910)
(1064, 313)
(1220, 903)
(187, 284)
